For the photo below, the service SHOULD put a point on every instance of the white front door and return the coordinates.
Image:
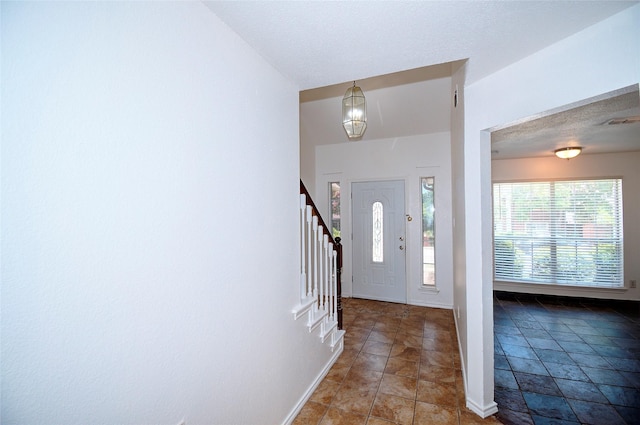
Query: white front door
(379, 240)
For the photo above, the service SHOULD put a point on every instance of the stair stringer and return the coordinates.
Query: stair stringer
(319, 319)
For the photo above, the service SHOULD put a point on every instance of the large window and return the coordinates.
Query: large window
(559, 232)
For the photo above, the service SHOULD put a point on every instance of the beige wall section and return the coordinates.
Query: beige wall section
(623, 165)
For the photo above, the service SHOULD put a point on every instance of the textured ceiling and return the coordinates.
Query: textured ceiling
(604, 124)
(317, 43)
(401, 53)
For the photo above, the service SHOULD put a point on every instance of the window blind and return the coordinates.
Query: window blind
(559, 232)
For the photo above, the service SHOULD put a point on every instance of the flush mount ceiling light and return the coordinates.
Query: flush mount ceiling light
(568, 153)
(354, 112)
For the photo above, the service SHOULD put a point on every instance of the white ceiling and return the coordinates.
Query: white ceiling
(390, 48)
(318, 43)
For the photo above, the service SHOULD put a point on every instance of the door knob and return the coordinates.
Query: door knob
(401, 238)
(401, 247)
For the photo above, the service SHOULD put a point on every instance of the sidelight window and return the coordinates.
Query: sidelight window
(334, 188)
(428, 231)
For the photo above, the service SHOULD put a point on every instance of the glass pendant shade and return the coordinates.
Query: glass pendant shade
(568, 153)
(354, 112)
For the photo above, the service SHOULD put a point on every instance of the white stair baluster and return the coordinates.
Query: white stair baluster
(303, 269)
(321, 270)
(315, 258)
(329, 280)
(309, 225)
(327, 275)
(309, 234)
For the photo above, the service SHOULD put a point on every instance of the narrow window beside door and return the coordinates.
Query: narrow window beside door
(428, 232)
(335, 208)
(378, 232)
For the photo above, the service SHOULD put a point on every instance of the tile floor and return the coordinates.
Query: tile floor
(400, 365)
(566, 361)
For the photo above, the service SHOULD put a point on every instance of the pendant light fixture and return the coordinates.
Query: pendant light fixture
(568, 153)
(354, 112)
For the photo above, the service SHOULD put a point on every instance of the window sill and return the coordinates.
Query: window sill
(560, 285)
(429, 289)
(565, 290)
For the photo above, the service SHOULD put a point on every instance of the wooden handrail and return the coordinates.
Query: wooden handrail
(337, 246)
(316, 212)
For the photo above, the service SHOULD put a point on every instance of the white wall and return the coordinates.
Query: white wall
(408, 159)
(149, 220)
(622, 165)
(308, 166)
(597, 60)
(458, 213)
(307, 149)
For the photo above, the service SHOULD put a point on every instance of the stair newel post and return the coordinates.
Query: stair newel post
(333, 283)
(309, 233)
(303, 231)
(339, 281)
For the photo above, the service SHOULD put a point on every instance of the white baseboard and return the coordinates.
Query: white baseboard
(482, 411)
(307, 395)
(422, 303)
(462, 359)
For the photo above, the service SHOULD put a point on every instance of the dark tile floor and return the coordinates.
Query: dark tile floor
(562, 360)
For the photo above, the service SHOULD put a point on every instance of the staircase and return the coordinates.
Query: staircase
(320, 267)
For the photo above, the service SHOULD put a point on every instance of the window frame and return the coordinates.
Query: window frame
(422, 232)
(335, 209)
(558, 239)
